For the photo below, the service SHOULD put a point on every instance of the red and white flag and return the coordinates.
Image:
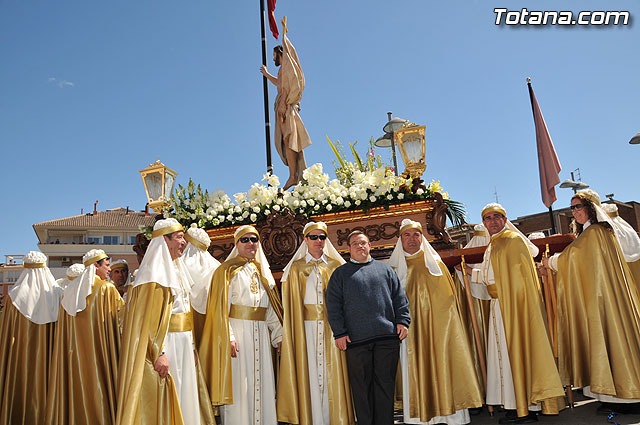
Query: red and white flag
(548, 162)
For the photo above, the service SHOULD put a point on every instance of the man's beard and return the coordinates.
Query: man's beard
(277, 60)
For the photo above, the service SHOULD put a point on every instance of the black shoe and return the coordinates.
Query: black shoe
(512, 418)
(604, 408)
(475, 411)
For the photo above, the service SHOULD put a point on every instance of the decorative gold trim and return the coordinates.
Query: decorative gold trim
(493, 209)
(416, 226)
(180, 322)
(167, 230)
(72, 278)
(193, 241)
(119, 266)
(481, 233)
(95, 259)
(313, 312)
(613, 214)
(377, 212)
(246, 230)
(586, 195)
(315, 226)
(244, 312)
(34, 265)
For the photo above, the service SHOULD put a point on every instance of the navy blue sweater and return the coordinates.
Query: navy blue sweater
(366, 301)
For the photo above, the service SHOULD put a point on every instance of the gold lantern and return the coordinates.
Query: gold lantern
(158, 182)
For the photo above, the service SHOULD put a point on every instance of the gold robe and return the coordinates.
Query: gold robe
(442, 375)
(481, 308)
(598, 316)
(534, 371)
(25, 353)
(215, 348)
(294, 396)
(84, 363)
(143, 397)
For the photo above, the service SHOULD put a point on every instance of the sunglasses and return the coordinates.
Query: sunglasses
(316, 237)
(576, 206)
(246, 239)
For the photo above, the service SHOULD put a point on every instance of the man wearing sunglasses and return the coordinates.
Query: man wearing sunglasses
(243, 320)
(313, 387)
(369, 315)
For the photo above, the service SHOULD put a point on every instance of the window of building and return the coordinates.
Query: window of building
(111, 240)
(93, 240)
(132, 240)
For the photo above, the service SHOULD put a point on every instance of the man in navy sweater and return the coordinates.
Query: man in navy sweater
(369, 315)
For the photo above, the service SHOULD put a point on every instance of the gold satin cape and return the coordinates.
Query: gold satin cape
(293, 403)
(215, 348)
(442, 375)
(481, 308)
(143, 397)
(84, 363)
(25, 354)
(535, 374)
(598, 316)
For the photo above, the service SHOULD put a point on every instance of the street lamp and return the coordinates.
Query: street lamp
(387, 139)
(158, 182)
(575, 185)
(635, 140)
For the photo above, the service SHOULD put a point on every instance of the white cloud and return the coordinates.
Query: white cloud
(60, 83)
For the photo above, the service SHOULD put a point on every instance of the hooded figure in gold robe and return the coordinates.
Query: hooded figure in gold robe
(243, 322)
(439, 382)
(627, 238)
(313, 386)
(159, 380)
(598, 309)
(27, 325)
(84, 364)
(521, 370)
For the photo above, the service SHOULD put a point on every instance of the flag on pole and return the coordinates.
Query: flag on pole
(273, 25)
(548, 162)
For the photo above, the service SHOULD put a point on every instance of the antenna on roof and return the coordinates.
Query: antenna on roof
(495, 193)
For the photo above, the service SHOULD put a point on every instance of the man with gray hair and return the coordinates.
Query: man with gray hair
(120, 276)
(369, 314)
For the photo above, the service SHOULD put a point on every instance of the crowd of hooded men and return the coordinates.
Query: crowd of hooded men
(190, 340)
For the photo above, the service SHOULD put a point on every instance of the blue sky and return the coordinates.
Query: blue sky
(92, 92)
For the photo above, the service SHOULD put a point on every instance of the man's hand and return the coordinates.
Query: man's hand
(263, 71)
(402, 331)
(234, 349)
(341, 343)
(545, 262)
(162, 366)
(279, 346)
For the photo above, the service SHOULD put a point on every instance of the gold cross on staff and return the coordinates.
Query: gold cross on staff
(284, 26)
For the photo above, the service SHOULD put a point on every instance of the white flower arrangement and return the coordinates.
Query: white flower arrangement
(35, 257)
(199, 234)
(315, 194)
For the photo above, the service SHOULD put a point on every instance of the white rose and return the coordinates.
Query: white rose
(296, 203)
(401, 195)
(311, 202)
(317, 207)
(372, 198)
(390, 197)
(419, 191)
(267, 212)
(358, 202)
(347, 204)
(329, 207)
(245, 214)
(237, 209)
(303, 203)
(253, 217)
(256, 209)
(276, 207)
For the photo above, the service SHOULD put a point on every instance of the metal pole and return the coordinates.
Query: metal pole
(265, 88)
(393, 148)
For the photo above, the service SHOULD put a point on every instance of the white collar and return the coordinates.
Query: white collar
(586, 224)
(310, 257)
(406, 254)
